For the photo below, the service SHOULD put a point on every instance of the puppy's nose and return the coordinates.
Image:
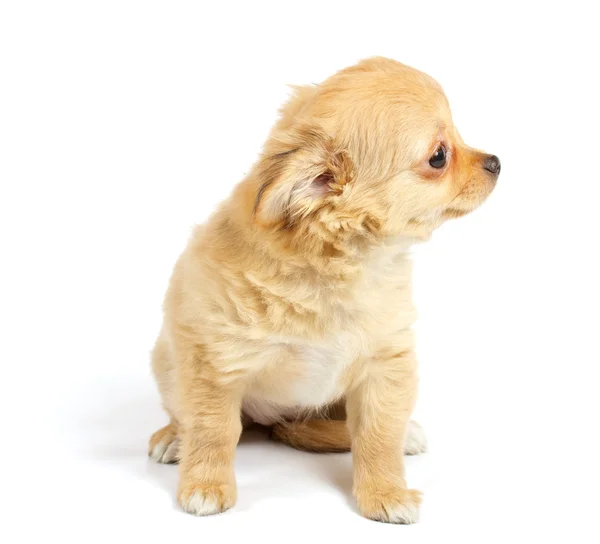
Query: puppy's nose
(492, 164)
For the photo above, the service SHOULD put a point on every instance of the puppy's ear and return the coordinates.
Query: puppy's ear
(298, 174)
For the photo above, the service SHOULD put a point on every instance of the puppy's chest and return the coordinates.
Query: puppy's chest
(297, 374)
(323, 368)
(300, 375)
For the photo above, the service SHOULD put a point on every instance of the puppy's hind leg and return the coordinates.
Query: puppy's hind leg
(165, 444)
(416, 441)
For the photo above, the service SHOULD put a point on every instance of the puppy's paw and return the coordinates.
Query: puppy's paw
(204, 499)
(396, 505)
(415, 442)
(164, 445)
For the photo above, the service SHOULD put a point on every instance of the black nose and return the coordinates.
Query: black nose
(492, 164)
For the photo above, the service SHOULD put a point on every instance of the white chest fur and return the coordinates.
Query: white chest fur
(323, 369)
(300, 376)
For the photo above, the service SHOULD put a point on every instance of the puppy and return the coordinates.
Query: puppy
(292, 305)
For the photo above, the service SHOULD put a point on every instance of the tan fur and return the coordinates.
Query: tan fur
(331, 436)
(296, 294)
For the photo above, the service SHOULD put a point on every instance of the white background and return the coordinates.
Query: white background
(124, 123)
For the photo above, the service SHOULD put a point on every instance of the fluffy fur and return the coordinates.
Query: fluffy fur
(292, 305)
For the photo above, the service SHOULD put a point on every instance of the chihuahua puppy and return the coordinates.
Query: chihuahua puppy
(291, 307)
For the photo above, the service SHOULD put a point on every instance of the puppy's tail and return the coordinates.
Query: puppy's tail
(316, 435)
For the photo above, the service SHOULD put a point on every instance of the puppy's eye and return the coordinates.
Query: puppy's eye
(438, 159)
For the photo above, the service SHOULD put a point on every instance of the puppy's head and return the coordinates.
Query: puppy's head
(373, 149)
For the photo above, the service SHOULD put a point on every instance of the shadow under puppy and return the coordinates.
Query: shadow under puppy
(295, 297)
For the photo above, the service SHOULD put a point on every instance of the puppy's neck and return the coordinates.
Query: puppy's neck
(323, 245)
(332, 253)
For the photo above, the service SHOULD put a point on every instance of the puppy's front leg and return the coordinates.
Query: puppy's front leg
(379, 409)
(210, 430)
